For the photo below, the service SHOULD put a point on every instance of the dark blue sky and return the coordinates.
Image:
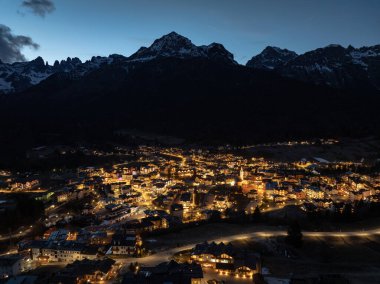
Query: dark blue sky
(84, 28)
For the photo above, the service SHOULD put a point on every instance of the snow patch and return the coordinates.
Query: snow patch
(5, 86)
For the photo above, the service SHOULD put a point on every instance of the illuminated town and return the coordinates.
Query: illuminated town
(189, 142)
(103, 219)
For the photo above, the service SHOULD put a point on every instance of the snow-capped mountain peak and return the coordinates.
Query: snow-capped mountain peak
(178, 46)
(171, 42)
(218, 52)
(271, 58)
(19, 76)
(332, 65)
(170, 45)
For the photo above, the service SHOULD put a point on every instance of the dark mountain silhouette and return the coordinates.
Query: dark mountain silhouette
(202, 97)
(333, 65)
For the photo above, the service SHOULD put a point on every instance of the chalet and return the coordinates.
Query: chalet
(244, 265)
(67, 251)
(157, 221)
(225, 259)
(208, 254)
(123, 244)
(167, 272)
(87, 271)
(314, 192)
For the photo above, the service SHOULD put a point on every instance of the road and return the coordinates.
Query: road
(166, 254)
(23, 191)
(183, 158)
(16, 234)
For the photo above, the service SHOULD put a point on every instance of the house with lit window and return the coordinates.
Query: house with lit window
(209, 254)
(68, 251)
(244, 265)
(226, 259)
(125, 244)
(314, 192)
(87, 271)
(167, 272)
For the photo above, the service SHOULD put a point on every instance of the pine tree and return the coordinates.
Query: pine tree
(347, 212)
(294, 236)
(257, 214)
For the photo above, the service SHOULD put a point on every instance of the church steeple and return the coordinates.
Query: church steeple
(241, 174)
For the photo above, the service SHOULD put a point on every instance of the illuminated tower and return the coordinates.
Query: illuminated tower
(241, 174)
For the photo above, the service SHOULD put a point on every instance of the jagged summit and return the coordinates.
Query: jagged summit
(271, 58)
(178, 46)
(39, 61)
(170, 45)
(171, 41)
(276, 49)
(20, 76)
(332, 65)
(218, 52)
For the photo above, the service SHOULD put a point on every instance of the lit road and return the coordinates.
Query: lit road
(23, 191)
(166, 254)
(55, 208)
(183, 158)
(175, 156)
(16, 234)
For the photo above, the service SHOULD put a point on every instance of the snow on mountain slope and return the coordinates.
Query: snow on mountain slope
(175, 45)
(271, 57)
(5, 86)
(332, 65)
(20, 76)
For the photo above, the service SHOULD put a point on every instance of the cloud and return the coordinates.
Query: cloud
(11, 45)
(39, 7)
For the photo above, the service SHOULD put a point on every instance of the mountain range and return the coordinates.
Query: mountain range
(199, 93)
(20, 76)
(333, 65)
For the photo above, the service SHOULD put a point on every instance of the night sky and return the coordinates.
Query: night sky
(56, 29)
